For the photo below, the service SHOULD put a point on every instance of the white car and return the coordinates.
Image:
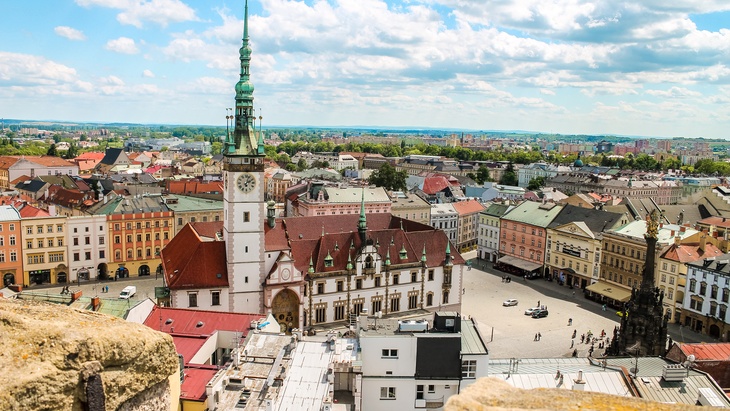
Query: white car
(510, 302)
(529, 311)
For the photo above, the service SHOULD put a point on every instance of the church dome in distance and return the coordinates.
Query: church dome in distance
(244, 87)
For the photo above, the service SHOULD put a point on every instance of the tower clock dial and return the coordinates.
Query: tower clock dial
(246, 182)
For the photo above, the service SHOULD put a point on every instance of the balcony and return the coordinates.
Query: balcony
(429, 403)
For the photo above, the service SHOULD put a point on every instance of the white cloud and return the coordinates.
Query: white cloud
(674, 92)
(123, 45)
(136, 12)
(148, 73)
(69, 33)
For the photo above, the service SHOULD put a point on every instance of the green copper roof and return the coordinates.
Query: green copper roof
(244, 141)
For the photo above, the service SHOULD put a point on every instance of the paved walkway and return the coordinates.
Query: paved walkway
(510, 333)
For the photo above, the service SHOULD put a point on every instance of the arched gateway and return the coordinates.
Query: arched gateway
(285, 308)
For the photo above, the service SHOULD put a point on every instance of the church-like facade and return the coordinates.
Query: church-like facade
(304, 270)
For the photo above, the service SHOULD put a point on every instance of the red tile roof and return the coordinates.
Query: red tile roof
(435, 184)
(28, 211)
(304, 236)
(193, 387)
(182, 322)
(468, 207)
(194, 187)
(188, 346)
(209, 229)
(716, 221)
(707, 352)
(190, 262)
(685, 253)
(91, 155)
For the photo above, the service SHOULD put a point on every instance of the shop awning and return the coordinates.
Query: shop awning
(519, 263)
(611, 291)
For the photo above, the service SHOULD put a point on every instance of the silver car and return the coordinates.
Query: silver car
(510, 302)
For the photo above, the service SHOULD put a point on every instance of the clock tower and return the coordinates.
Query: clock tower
(243, 196)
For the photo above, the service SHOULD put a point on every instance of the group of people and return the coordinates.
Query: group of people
(588, 338)
(538, 336)
(506, 279)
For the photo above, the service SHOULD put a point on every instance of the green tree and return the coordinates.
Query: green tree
(216, 147)
(509, 178)
(72, 152)
(52, 151)
(536, 183)
(302, 164)
(483, 175)
(387, 177)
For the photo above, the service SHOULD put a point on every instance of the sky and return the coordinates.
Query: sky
(640, 68)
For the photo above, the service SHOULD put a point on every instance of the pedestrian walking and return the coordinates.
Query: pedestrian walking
(603, 307)
(570, 321)
(574, 333)
(582, 338)
(538, 303)
(535, 338)
(572, 343)
(539, 336)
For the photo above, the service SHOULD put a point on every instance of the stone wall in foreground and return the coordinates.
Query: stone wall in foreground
(54, 357)
(493, 394)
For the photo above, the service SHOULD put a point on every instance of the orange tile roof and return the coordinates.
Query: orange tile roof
(28, 211)
(468, 207)
(716, 221)
(91, 155)
(707, 352)
(686, 253)
(190, 262)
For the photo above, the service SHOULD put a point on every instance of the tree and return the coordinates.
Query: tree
(509, 178)
(482, 175)
(536, 183)
(72, 152)
(52, 151)
(216, 147)
(387, 177)
(302, 164)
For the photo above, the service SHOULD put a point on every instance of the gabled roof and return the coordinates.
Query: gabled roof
(9, 213)
(468, 207)
(32, 186)
(112, 155)
(191, 261)
(596, 220)
(534, 213)
(28, 211)
(435, 184)
(685, 253)
(303, 235)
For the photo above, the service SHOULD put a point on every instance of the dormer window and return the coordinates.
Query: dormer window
(329, 261)
(369, 262)
(403, 253)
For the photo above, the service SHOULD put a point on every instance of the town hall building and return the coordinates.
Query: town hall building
(304, 270)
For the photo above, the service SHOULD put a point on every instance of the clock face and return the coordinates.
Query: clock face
(246, 182)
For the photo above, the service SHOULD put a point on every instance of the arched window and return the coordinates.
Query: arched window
(369, 262)
(129, 253)
(446, 297)
(429, 299)
(118, 255)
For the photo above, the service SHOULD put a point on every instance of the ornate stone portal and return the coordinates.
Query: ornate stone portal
(643, 329)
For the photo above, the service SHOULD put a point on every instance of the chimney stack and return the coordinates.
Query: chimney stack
(703, 242)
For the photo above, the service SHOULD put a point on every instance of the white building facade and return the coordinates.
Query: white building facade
(88, 247)
(444, 217)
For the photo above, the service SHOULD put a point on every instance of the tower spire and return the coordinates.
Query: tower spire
(244, 140)
(362, 224)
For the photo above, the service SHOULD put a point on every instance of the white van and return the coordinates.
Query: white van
(128, 292)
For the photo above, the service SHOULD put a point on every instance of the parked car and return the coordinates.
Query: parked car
(529, 311)
(128, 292)
(540, 313)
(510, 302)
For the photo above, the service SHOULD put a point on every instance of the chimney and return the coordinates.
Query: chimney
(579, 384)
(677, 239)
(703, 242)
(52, 210)
(682, 229)
(95, 303)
